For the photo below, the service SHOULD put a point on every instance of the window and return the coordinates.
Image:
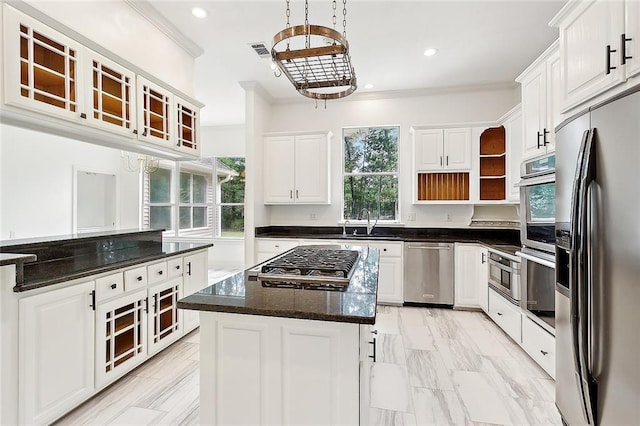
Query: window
(370, 174)
(186, 200)
(230, 199)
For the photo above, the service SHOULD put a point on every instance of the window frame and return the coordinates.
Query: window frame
(395, 174)
(191, 204)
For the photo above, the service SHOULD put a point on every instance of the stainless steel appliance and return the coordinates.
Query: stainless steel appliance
(537, 202)
(538, 278)
(504, 275)
(310, 267)
(428, 273)
(598, 264)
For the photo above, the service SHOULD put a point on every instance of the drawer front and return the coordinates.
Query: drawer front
(507, 316)
(274, 246)
(388, 249)
(135, 278)
(174, 267)
(109, 286)
(157, 272)
(540, 345)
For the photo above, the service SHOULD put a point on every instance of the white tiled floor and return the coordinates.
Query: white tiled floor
(435, 367)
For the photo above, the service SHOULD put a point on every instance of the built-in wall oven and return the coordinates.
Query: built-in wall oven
(537, 234)
(538, 203)
(538, 286)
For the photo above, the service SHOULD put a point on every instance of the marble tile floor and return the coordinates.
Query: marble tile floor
(435, 367)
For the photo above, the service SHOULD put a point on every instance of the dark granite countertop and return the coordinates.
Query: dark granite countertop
(13, 259)
(66, 269)
(8, 245)
(445, 235)
(242, 295)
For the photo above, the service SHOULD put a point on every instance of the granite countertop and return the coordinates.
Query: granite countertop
(241, 294)
(488, 237)
(67, 269)
(84, 236)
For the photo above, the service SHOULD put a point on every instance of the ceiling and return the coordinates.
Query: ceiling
(479, 43)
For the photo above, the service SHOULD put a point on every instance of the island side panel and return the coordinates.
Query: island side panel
(270, 370)
(8, 346)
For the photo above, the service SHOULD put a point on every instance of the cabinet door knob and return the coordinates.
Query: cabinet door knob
(135, 131)
(160, 272)
(139, 278)
(113, 286)
(177, 266)
(608, 52)
(545, 353)
(83, 115)
(623, 49)
(499, 313)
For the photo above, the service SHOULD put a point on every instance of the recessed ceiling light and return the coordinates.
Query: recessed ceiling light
(199, 12)
(430, 51)
(368, 86)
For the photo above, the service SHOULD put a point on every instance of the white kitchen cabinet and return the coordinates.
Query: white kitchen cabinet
(442, 149)
(540, 345)
(468, 278)
(41, 67)
(506, 315)
(121, 336)
(266, 248)
(155, 112)
(296, 169)
(598, 47)
(56, 349)
(513, 133)
(187, 127)
(110, 99)
(540, 111)
(259, 370)
(195, 278)
(483, 279)
(164, 322)
(390, 272)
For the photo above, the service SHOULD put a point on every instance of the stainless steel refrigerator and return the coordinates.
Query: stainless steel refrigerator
(598, 264)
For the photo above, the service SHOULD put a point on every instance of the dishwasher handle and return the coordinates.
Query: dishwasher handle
(429, 246)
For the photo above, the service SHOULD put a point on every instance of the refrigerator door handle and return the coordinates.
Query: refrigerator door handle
(585, 281)
(574, 279)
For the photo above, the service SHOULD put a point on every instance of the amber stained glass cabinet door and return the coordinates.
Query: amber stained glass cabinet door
(41, 67)
(187, 127)
(154, 113)
(111, 100)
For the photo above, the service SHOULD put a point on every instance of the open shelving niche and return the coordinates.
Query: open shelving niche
(493, 164)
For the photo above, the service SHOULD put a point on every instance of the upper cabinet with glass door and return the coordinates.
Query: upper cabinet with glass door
(41, 67)
(111, 100)
(45, 71)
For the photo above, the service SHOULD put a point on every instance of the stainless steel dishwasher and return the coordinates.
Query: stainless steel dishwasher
(428, 273)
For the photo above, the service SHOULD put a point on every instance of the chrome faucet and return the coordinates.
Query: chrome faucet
(344, 228)
(369, 225)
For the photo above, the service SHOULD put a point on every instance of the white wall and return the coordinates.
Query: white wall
(224, 141)
(36, 182)
(437, 108)
(119, 28)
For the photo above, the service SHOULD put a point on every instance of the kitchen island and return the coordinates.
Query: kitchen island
(274, 355)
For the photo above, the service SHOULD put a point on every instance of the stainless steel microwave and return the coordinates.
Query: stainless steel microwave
(537, 203)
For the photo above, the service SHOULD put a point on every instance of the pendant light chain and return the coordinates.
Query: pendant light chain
(344, 18)
(288, 24)
(334, 14)
(307, 42)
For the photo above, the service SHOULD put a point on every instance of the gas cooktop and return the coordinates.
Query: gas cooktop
(310, 268)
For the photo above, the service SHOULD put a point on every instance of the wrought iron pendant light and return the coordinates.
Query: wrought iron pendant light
(316, 58)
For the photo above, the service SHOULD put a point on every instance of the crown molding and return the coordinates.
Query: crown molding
(151, 14)
(256, 87)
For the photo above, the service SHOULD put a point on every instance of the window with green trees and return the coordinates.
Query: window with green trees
(230, 200)
(370, 174)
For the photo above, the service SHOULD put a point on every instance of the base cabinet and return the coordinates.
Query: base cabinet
(507, 316)
(540, 345)
(268, 370)
(390, 273)
(56, 352)
(121, 336)
(195, 278)
(165, 326)
(470, 276)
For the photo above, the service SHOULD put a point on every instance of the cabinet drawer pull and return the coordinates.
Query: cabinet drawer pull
(113, 286)
(545, 353)
(189, 268)
(373, 342)
(539, 136)
(297, 194)
(139, 278)
(160, 272)
(608, 66)
(291, 194)
(135, 131)
(177, 266)
(447, 162)
(499, 313)
(545, 142)
(83, 115)
(623, 49)
(441, 160)
(484, 258)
